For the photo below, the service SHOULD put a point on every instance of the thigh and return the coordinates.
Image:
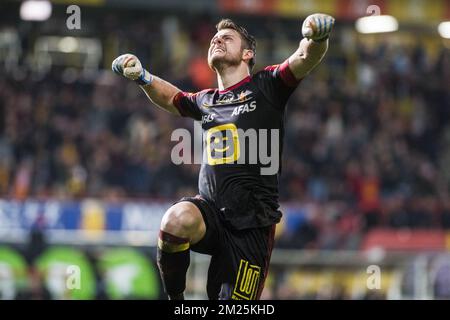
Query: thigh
(210, 242)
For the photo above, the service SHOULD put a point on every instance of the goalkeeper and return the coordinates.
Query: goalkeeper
(234, 216)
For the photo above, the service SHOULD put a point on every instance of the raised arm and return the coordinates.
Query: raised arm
(316, 30)
(159, 91)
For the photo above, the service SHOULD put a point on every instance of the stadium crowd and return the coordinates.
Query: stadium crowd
(367, 139)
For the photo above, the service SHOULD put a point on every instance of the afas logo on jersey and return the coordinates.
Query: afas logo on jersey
(248, 107)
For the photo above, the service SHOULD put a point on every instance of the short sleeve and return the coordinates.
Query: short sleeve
(277, 83)
(187, 105)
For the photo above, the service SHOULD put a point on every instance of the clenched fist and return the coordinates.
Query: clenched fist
(130, 67)
(317, 26)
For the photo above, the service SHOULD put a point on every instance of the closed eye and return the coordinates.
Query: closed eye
(224, 37)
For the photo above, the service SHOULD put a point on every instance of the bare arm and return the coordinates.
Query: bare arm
(307, 56)
(161, 93)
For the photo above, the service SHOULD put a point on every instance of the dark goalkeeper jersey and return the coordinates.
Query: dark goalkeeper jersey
(242, 144)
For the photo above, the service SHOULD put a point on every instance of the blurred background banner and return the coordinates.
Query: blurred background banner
(89, 220)
(85, 169)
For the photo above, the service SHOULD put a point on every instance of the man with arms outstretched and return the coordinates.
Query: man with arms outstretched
(233, 218)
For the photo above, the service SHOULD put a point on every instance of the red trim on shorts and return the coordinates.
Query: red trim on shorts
(269, 255)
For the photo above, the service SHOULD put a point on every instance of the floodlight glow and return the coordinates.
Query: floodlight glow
(376, 24)
(35, 10)
(444, 29)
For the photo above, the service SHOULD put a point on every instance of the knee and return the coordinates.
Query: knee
(182, 220)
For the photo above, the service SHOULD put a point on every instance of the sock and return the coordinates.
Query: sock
(173, 259)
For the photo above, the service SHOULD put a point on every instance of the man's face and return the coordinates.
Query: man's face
(225, 49)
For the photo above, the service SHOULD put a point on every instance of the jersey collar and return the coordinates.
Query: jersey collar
(234, 86)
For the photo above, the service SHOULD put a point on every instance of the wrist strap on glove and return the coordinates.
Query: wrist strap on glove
(321, 39)
(145, 78)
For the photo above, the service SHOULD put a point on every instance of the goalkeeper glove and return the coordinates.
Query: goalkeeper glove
(317, 27)
(130, 67)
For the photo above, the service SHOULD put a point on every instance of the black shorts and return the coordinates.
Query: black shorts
(240, 258)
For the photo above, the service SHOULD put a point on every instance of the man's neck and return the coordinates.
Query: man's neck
(231, 75)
